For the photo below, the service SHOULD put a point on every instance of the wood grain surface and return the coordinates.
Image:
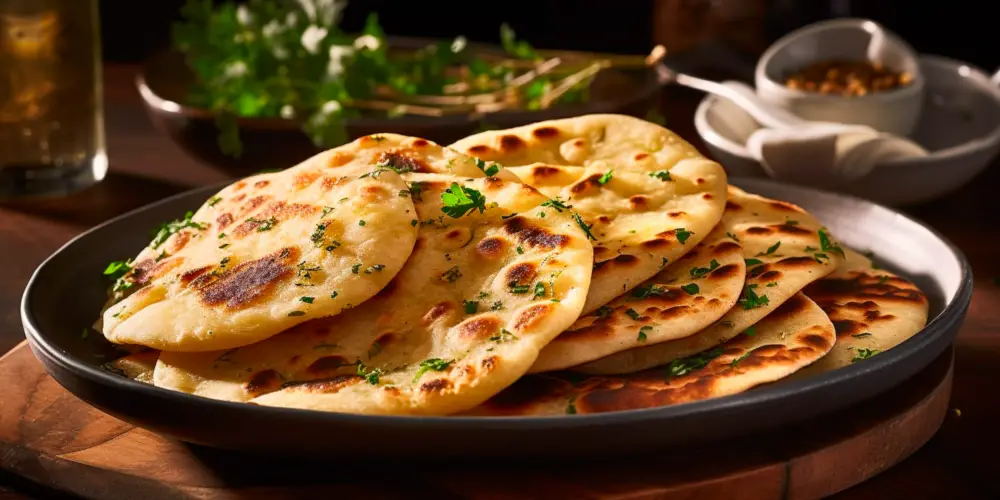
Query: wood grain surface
(958, 462)
(47, 435)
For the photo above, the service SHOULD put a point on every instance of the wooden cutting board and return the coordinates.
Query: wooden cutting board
(53, 439)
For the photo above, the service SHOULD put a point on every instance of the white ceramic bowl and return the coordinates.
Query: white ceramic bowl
(960, 127)
(895, 111)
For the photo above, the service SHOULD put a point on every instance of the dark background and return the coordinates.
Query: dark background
(962, 29)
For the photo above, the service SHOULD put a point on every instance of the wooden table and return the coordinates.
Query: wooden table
(959, 462)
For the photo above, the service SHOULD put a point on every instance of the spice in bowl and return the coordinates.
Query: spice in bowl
(847, 78)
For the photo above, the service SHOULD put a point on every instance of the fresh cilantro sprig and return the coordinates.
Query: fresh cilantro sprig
(457, 201)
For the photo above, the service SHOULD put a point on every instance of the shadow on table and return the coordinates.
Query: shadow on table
(118, 193)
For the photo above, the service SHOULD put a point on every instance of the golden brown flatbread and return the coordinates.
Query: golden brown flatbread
(686, 297)
(480, 296)
(794, 335)
(785, 249)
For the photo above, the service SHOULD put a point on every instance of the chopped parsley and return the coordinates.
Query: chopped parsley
(642, 333)
(644, 292)
(864, 353)
(497, 306)
(571, 406)
(413, 190)
(371, 376)
(520, 251)
(334, 294)
(772, 284)
(606, 178)
(584, 226)
(513, 287)
(539, 289)
(663, 175)
(750, 298)
(164, 231)
(826, 245)
(436, 364)
(307, 300)
(682, 235)
(557, 204)
(753, 262)
(213, 201)
(376, 267)
(603, 311)
(223, 246)
(317, 234)
(296, 313)
(451, 275)
(118, 268)
(356, 269)
(326, 211)
(224, 262)
(633, 314)
(741, 358)
(222, 235)
(733, 236)
(690, 288)
(458, 201)
(263, 224)
(861, 335)
(698, 272)
(771, 249)
(490, 170)
(471, 306)
(362, 223)
(683, 366)
(503, 337)
(750, 331)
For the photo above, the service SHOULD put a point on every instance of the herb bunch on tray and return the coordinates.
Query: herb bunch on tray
(290, 59)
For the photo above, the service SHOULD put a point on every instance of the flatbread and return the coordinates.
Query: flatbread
(686, 297)
(615, 141)
(639, 223)
(475, 303)
(136, 366)
(263, 245)
(786, 249)
(872, 309)
(265, 254)
(794, 335)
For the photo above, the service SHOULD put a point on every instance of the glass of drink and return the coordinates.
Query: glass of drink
(51, 119)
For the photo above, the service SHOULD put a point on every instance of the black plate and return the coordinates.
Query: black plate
(67, 290)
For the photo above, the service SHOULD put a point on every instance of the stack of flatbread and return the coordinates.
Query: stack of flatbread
(583, 265)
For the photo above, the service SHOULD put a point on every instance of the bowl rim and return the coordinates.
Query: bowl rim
(763, 78)
(761, 398)
(715, 139)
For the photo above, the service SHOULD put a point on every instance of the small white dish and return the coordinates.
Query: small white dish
(894, 111)
(959, 126)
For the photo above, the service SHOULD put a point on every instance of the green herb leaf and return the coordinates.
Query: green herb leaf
(698, 272)
(606, 178)
(753, 262)
(296, 313)
(750, 298)
(861, 335)
(557, 204)
(471, 306)
(603, 311)
(663, 175)
(683, 366)
(642, 333)
(263, 225)
(213, 201)
(864, 353)
(164, 231)
(690, 288)
(826, 245)
(490, 170)
(459, 200)
(436, 364)
(539, 289)
(771, 249)
(633, 314)
(307, 300)
(451, 275)
(584, 226)
(682, 235)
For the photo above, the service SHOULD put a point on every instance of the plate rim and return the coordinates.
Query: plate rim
(748, 400)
